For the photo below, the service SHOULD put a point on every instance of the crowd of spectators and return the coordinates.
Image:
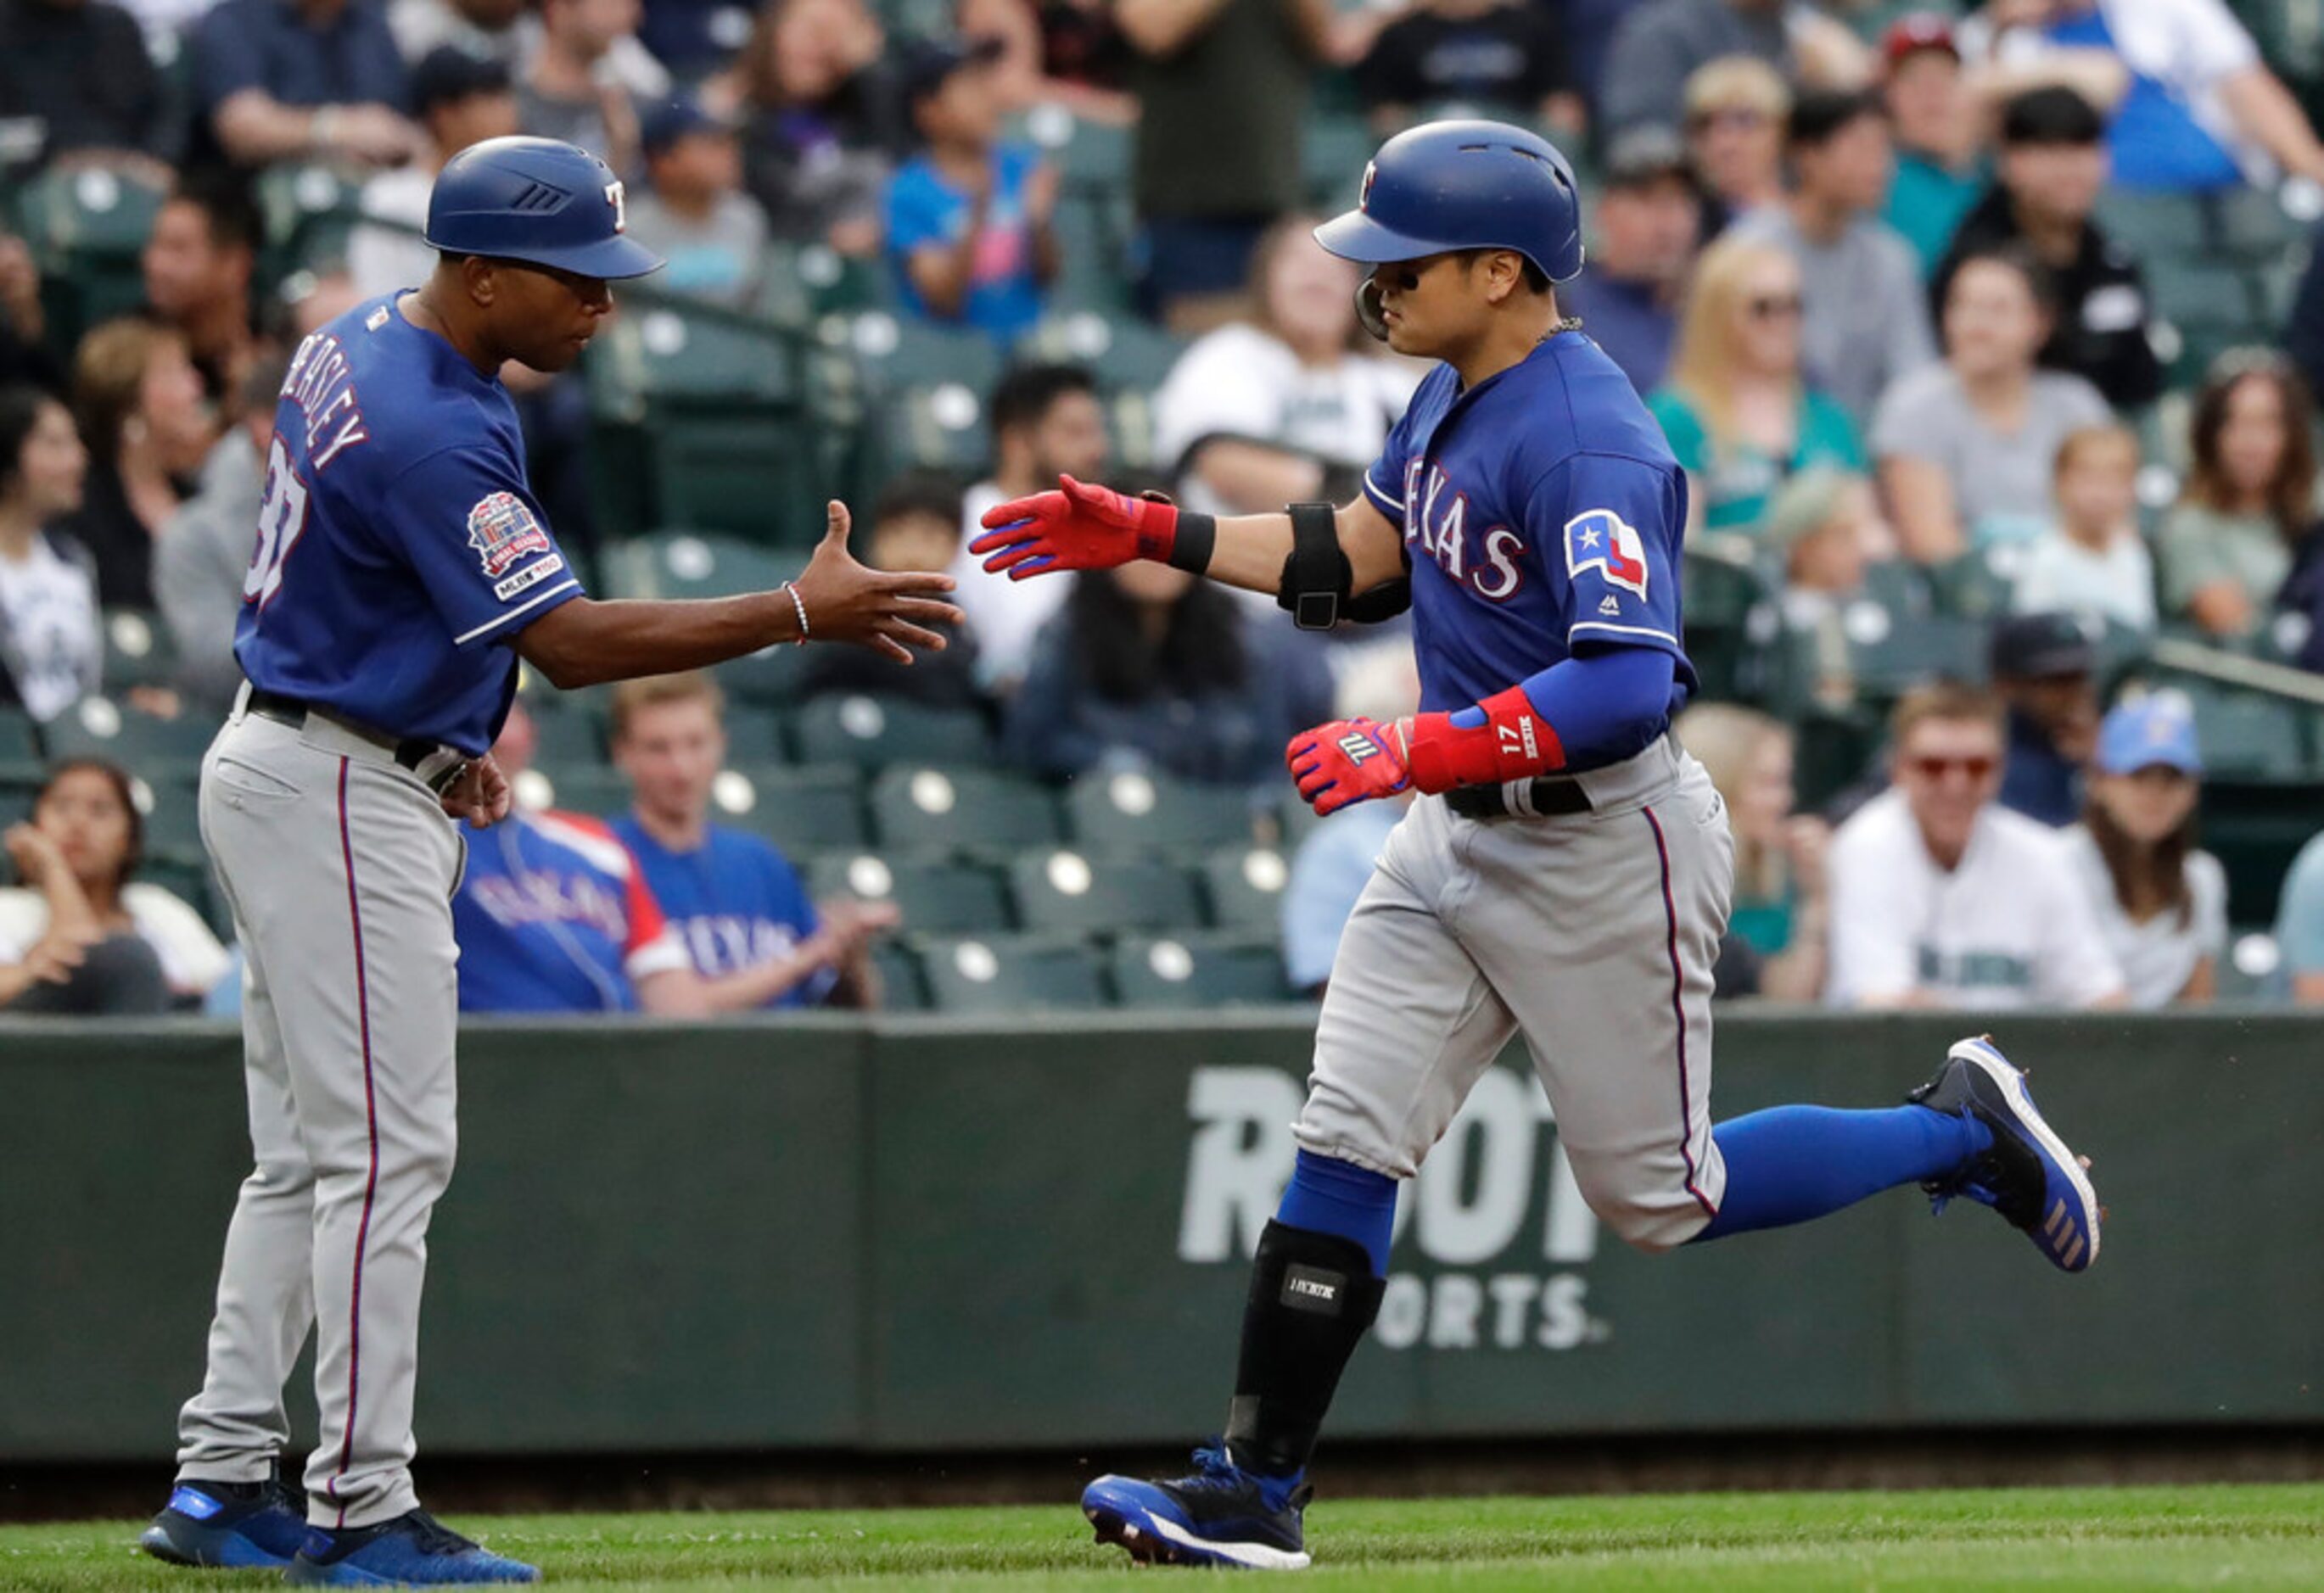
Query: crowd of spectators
(1862, 274)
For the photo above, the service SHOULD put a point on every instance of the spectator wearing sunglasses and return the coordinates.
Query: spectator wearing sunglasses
(1941, 898)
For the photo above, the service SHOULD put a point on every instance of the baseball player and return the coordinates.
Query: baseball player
(1564, 873)
(402, 570)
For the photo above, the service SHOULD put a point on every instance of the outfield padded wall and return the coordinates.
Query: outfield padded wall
(921, 1234)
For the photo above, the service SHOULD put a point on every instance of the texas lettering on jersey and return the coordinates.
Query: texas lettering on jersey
(1436, 522)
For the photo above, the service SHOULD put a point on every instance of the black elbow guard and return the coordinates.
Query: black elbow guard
(1314, 590)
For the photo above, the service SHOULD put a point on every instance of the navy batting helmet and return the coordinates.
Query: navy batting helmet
(539, 201)
(1463, 184)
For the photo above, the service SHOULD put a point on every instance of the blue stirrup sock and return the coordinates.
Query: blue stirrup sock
(1327, 1195)
(1794, 1163)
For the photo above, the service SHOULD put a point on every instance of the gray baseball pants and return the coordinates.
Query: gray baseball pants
(1594, 936)
(339, 866)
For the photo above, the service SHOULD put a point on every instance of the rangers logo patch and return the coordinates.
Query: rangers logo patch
(1602, 541)
(504, 533)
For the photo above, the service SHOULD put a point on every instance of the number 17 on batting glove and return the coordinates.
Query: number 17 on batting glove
(1349, 760)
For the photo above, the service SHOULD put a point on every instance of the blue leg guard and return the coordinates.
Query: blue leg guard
(1794, 1163)
(1339, 1198)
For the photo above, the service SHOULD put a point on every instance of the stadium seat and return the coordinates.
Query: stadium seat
(1067, 890)
(1130, 810)
(1195, 971)
(1916, 651)
(1243, 887)
(138, 651)
(900, 351)
(2244, 735)
(20, 747)
(1975, 585)
(308, 211)
(170, 803)
(1730, 618)
(188, 879)
(935, 897)
(86, 229)
(1122, 351)
(872, 732)
(903, 988)
(925, 809)
(99, 727)
(941, 426)
(800, 810)
(1004, 975)
(1333, 152)
(594, 789)
(571, 734)
(696, 563)
(2255, 828)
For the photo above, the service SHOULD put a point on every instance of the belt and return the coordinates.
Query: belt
(411, 751)
(1550, 798)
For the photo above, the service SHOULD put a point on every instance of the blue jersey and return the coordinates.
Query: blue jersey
(734, 901)
(553, 915)
(1541, 514)
(398, 544)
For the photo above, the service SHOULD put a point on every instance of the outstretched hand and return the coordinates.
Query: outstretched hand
(1349, 760)
(890, 611)
(1076, 527)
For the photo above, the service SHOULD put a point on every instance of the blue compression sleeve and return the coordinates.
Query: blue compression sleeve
(1327, 1195)
(1604, 706)
(1794, 1163)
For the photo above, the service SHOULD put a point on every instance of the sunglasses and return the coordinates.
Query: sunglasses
(1772, 306)
(1979, 769)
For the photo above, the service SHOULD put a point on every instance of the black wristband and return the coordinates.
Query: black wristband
(1198, 536)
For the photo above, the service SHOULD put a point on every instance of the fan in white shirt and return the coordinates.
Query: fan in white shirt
(1941, 898)
(2161, 903)
(1261, 413)
(2092, 561)
(52, 649)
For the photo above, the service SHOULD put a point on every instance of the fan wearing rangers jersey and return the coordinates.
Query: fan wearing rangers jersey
(1564, 873)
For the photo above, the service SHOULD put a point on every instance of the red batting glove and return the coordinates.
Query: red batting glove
(1080, 526)
(1348, 760)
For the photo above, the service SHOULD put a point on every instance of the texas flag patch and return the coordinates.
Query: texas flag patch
(1602, 541)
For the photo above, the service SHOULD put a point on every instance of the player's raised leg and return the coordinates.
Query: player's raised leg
(1408, 1024)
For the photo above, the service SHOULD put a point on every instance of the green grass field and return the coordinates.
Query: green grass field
(2234, 1537)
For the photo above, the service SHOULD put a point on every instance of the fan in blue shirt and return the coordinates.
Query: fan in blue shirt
(736, 904)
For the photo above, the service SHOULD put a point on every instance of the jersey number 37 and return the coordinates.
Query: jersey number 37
(282, 517)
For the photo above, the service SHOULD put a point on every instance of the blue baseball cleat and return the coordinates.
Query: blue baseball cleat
(413, 1550)
(225, 1525)
(2029, 1176)
(1221, 1515)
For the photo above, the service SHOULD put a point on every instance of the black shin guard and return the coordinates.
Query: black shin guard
(1313, 1295)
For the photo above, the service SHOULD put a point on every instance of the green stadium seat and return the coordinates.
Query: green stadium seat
(21, 759)
(2246, 735)
(903, 988)
(1004, 975)
(2255, 828)
(1067, 890)
(935, 897)
(139, 651)
(773, 676)
(590, 788)
(143, 744)
(1730, 618)
(170, 803)
(939, 427)
(1975, 585)
(188, 879)
(1091, 156)
(1193, 971)
(900, 351)
(799, 810)
(872, 732)
(2155, 225)
(1243, 887)
(307, 212)
(1915, 651)
(1092, 233)
(1121, 351)
(926, 809)
(1833, 750)
(1131, 810)
(696, 563)
(570, 736)
(1333, 153)
(674, 350)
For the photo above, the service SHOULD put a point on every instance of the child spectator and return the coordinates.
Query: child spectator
(1781, 906)
(139, 402)
(460, 99)
(735, 904)
(1735, 108)
(916, 525)
(1047, 422)
(2090, 560)
(692, 212)
(1649, 220)
(1868, 319)
(1288, 405)
(968, 220)
(1967, 448)
(1940, 165)
(1737, 414)
(2053, 167)
(1941, 899)
(1503, 57)
(2249, 500)
(144, 948)
(1149, 665)
(52, 649)
(2161, 902)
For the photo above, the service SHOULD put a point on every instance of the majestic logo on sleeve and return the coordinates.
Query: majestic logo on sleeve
(504, 533)
(1602, 541)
